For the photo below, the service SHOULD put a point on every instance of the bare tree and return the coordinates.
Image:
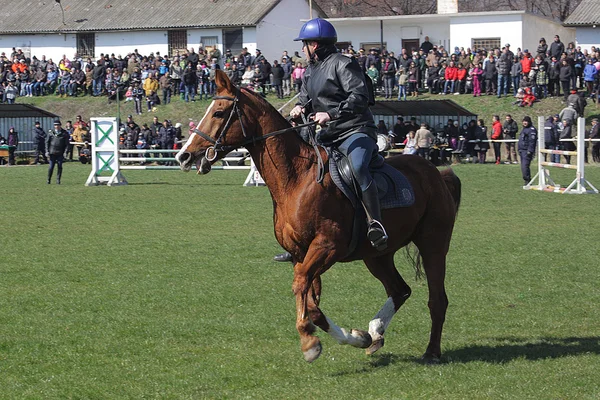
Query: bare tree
(556, 9)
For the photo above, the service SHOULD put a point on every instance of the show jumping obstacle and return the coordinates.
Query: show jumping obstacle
(544, 181)
(108, 158)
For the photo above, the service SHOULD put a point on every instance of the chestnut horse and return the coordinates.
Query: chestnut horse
(314, 221)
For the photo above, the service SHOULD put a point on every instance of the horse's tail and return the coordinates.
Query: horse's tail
(454, 186)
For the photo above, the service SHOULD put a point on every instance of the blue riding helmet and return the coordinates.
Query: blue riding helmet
(319, 30)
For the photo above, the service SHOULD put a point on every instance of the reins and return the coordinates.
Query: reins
(218, 146)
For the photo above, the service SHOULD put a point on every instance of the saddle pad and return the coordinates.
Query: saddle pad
(393, 187)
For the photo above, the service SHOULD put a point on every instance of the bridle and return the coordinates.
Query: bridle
(218, 144)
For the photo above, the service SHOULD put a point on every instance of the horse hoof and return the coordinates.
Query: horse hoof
(313, 353)
(376, 345)
(361, 339)
(430, 359)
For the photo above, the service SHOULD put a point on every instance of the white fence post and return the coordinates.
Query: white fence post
(105, 153)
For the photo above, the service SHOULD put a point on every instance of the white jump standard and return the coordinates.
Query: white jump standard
(543, 181)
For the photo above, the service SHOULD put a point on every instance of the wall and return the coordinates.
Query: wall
(587, 37)
(123, 43)
(249, 39)
(195, 35)
(277, 31)
(535, 28)
(394, 30)
(507, 27)
(51, 45)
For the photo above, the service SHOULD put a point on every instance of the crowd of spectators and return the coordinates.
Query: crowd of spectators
(146, 80)
(528, 75)
(149, 80)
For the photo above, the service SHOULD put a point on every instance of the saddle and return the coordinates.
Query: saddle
(393, 188)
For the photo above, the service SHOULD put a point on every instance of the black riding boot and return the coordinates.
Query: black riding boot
(376, 232)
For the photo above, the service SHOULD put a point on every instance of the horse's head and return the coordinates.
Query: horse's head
(220, 130)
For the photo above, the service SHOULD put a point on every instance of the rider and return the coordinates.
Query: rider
(335, 90)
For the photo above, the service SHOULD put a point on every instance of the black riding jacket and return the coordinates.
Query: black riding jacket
(337, 86)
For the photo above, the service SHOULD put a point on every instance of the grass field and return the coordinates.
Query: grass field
(165, 289)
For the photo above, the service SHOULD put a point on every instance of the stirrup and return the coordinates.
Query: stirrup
(377, 235)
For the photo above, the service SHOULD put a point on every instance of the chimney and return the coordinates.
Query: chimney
(447, 6)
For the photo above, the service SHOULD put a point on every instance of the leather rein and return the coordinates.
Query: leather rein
(218, 145)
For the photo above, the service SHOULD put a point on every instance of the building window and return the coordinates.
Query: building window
(372, 45)
(86, 45)
(209, 43)
(233, 40)
(485, 43)
(177, 42)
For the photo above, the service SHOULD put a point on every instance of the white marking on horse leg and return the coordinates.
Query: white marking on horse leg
(380, 322)
(192, 134)
(354, 338)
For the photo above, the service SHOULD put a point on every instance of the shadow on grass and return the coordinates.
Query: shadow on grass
(509, 349)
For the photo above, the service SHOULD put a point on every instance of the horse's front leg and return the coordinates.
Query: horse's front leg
(354, 337)
(317, 260)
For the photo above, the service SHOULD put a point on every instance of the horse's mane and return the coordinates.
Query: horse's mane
(266, 106)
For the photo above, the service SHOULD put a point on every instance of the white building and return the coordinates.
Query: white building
(469, 30)
(91, 27)
(586, 20)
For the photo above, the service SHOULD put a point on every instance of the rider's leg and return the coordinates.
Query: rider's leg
(361, 151)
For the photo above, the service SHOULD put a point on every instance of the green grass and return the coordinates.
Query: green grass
(165, 289)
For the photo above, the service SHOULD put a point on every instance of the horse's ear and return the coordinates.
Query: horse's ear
(223, 83)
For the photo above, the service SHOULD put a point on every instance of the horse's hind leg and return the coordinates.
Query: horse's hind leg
(435, 269)
(398, 291)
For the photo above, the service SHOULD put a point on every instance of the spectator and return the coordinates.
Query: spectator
(565, 78)
(551, 139)
(595, 134)
(166, 84)
(503, 69)
(10, 93)
(554, 77)
(152, 100)
(497, 135)
(402, 80)
(69, 129)
(482, 145)
(477, 73)
(39, 141)
(490, 75)
(510, 129)
(589, 76)
(542, 49)
(527, 146)
(277, 78)
(98, 77)
(189, 80)
(410, 143)
(515, 74)
(541, 82)
(461, 79)
(287, 75)
(12, 140)
(567, 133)
(389, 77)
(426, 46)
(56, 144)
(432, 78)
(424, 140)
(450, 76)
(556, 48)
